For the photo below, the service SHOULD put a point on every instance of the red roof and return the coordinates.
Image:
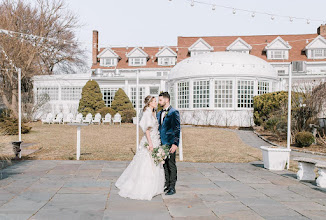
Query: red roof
(297, 42)
(220, 43)
(123, 62)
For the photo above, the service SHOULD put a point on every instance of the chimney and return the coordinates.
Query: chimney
(322, 30)
(95, 47)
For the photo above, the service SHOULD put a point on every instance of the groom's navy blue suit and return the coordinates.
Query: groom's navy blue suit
(170, 134)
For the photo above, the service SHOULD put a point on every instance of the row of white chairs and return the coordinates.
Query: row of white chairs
(89, 119)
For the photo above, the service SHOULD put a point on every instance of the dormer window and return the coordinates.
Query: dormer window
(108, 57)
(108, 61)
(198, 52)
(316, 49)
(277, 54)
(239, 46)
(200, 47)
(278, 49)
(318, 53)
(166, 61)
(166, 57)
(137, 57)
(137, 61)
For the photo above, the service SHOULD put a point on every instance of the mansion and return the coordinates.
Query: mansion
(212, 80)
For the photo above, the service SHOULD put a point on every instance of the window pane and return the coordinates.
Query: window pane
(141, 96)
(245, 93)
(71, 93)
(51, 92)
(108, 95)
(263, 87)
(223, 93)
(201, 94)
(183, 95)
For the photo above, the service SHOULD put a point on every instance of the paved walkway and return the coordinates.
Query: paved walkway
(85, 190)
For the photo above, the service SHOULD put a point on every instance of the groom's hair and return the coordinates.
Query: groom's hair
(165, 95)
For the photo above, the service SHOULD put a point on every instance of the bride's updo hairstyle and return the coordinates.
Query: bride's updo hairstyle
(148, 99)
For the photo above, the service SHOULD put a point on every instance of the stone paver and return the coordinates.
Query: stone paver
(85, 190)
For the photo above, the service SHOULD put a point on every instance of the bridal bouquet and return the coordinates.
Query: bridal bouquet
(160, 153)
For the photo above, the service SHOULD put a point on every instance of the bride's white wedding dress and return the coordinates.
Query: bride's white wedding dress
(143, 179)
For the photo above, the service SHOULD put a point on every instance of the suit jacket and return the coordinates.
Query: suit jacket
(170, 128)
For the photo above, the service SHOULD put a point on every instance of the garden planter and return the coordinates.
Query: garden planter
(275, 158)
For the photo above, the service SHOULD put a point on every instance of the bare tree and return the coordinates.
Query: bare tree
(53, 51)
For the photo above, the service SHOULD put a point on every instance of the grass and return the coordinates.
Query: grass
(114, 142)
(320, 148)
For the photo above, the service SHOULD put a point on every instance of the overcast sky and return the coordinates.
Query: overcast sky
(159, 22)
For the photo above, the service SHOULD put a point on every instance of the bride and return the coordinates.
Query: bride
(142, 179)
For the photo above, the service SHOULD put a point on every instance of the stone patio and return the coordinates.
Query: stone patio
(85, 190)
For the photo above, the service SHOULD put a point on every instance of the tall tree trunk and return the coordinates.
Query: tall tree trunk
(13, 106)
(14, 103)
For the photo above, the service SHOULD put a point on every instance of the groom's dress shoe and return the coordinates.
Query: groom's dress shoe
(170, 192)
(166, 189)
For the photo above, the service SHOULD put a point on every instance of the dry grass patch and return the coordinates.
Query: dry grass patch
(216, 145)
(114, 142)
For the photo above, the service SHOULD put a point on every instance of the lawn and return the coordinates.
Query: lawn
(114, 142)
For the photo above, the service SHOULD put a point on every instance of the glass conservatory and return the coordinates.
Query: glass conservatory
(218, 88)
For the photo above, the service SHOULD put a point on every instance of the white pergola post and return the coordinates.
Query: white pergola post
(180, 147)
(19, 109)
(289, 116)
(137, 108)
(78, 143)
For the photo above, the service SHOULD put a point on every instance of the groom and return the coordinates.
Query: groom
(169, 127)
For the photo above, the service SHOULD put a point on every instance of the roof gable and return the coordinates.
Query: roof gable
(107, 52)
(137, 52)
(166, 52)
(278, 44)
(318, 42)
(239, 44)
(201, 44)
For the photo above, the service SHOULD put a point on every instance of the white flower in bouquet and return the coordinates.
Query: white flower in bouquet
(160, 154)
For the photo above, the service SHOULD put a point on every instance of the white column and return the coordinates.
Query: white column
(175, 87)
(255, 87)
(127, 88)
(19, 109)
(235, 93)
(162, 85)
(289, 116)
(146, 90)
(211, 93)
(180, 147)
(191, 94)
(78, 143)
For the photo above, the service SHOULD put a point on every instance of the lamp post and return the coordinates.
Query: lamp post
(19, 108)
(289, 115)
